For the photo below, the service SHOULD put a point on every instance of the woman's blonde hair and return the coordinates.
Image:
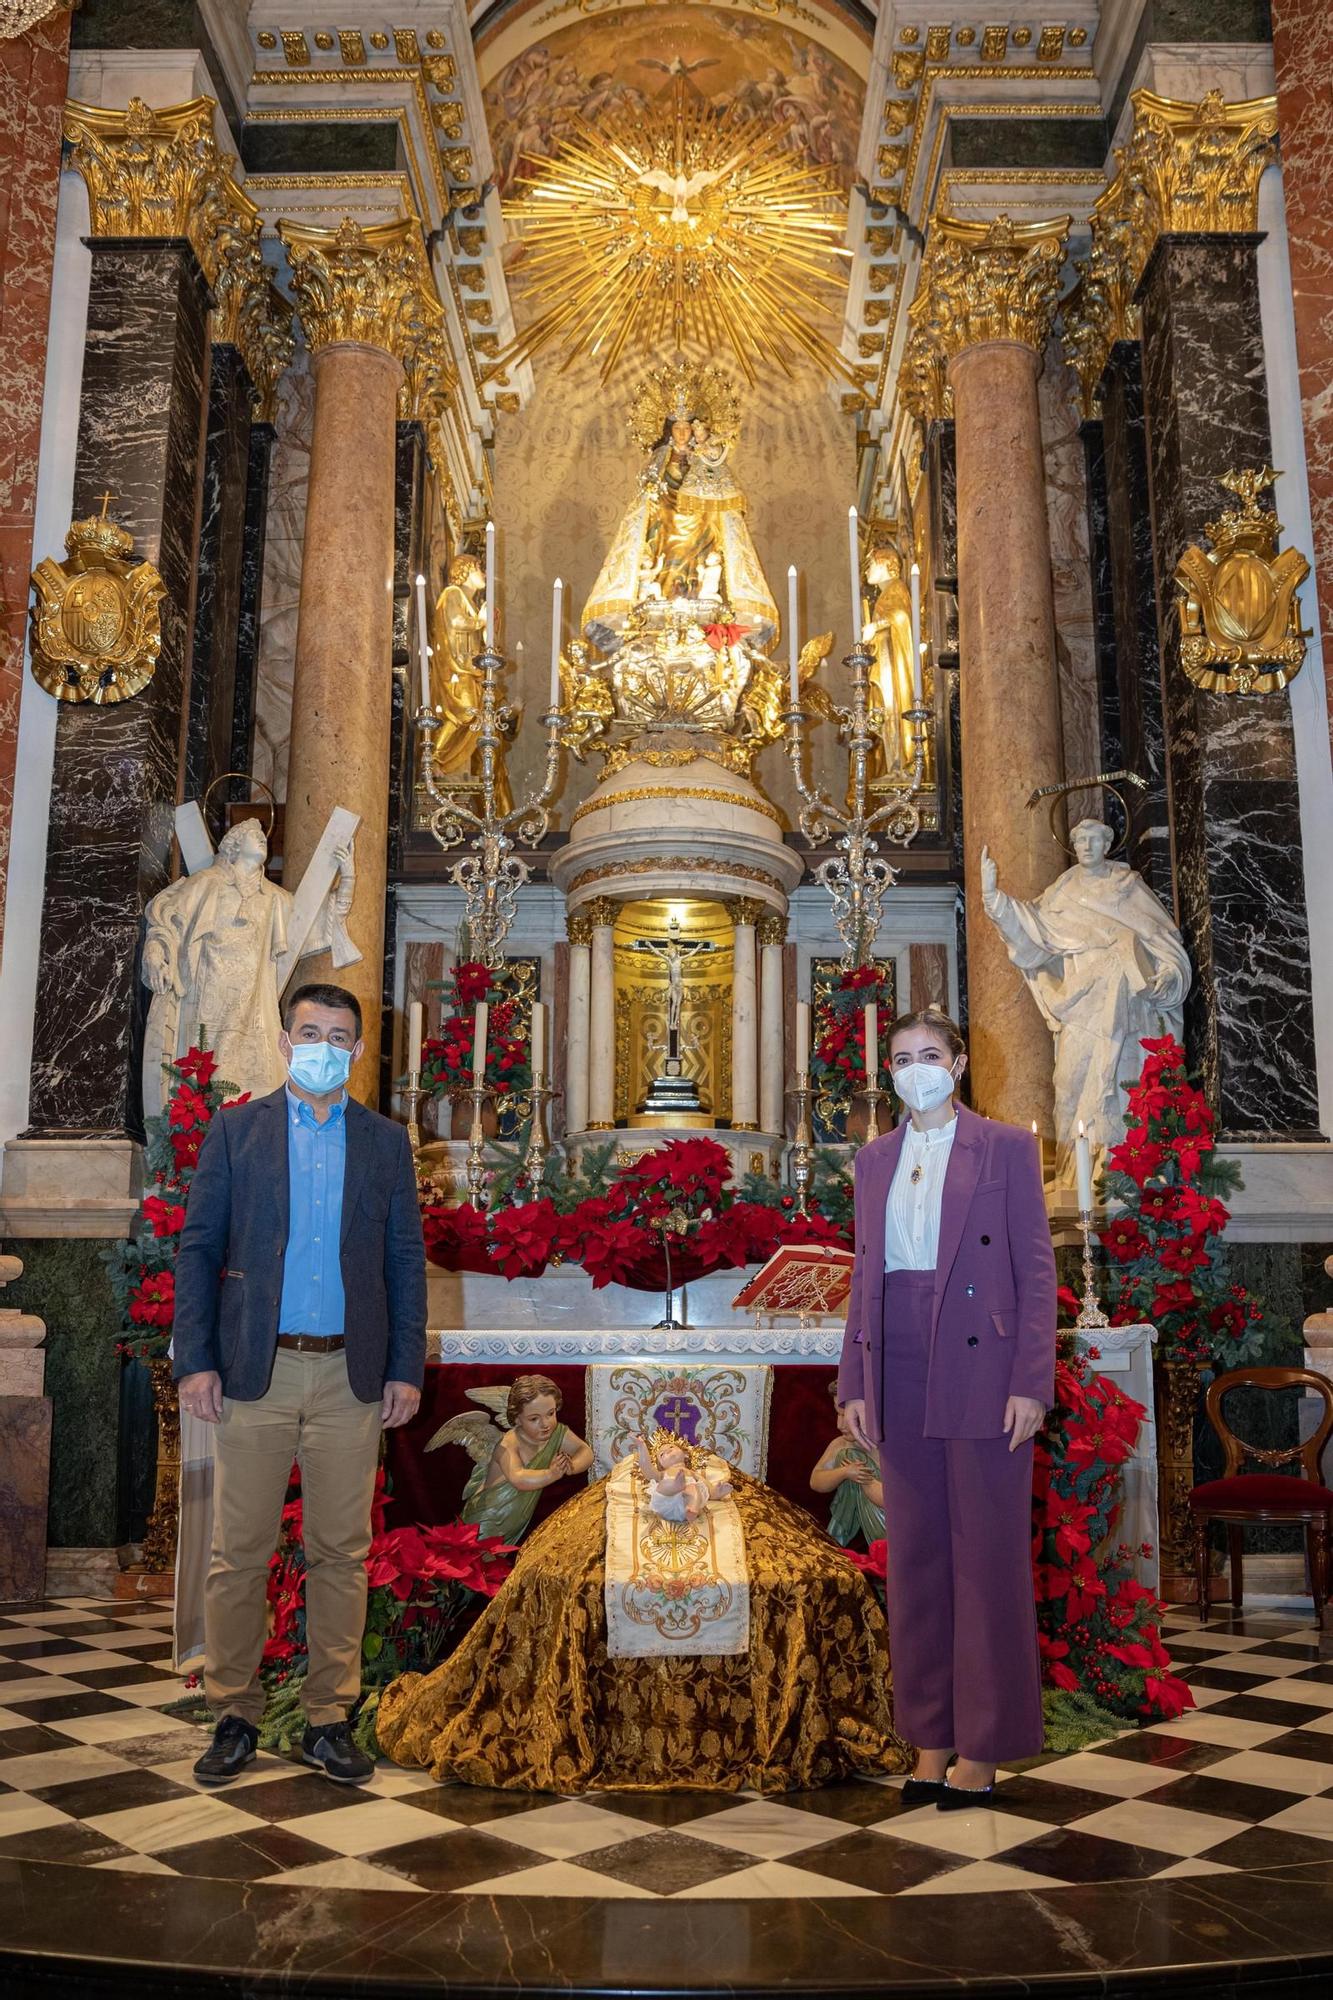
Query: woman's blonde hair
(936, 1019)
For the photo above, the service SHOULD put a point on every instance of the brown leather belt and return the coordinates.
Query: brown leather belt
(312, 1343)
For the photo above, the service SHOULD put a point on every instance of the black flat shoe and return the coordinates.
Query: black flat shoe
(233, 1747)
(923, 1791)
(330, 1749)
(959, 1798)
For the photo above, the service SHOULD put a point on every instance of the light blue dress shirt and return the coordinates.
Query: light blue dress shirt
(312, 1279)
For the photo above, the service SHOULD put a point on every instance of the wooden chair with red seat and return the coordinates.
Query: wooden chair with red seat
(1241, 1498)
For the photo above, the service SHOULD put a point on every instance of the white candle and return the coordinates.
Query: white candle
(918, 675)
(917, 647)
(538, 1039)
(793, 637)
(1083, 1164)
(490, 585)
(872, 1042)
(422, 648)
(414, 1039)
(557, 593)
(479, 1042)
(854, 558)
(802, 1037)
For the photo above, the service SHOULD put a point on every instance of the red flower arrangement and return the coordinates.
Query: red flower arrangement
(1167, 1259)
(446, 1058)
(1099, 1628)
(612, 1225)
(838, 1053)
(142, 1269)
(418, 1580)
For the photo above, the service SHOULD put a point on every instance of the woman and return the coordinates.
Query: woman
(948, 1367)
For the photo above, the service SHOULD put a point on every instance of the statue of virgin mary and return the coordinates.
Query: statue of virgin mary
(684, 534)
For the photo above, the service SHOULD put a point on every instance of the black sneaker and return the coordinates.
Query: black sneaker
(233, 1747)
(330, 1749)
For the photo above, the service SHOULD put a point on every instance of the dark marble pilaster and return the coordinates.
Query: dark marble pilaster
(217, 601)
(942, 499)
(1103, 609)
(1231, 763)
(1133, 589)
(118, 770)
(411, 558)
(249, 611)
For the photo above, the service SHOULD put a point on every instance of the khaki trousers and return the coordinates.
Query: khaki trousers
(309, 1414)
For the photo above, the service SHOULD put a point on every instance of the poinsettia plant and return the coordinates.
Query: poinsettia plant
(1099, 1628)
(609, 1219)
(1167, 1260)
(420, 1581)
(446, 1058)
(143, 1268)
(838, 1050)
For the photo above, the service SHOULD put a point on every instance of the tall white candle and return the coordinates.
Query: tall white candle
(479, 1042)
(423, 649)
(916, 635)
(538, 1038)
(872, 1042)
(802, 1037)
(1083, 1165)
(557, 593)
(918, 675)
(414, 1019)
(854, 559)
(793, 637)
(490, 584)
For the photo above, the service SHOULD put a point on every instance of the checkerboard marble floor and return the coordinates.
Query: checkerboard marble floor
(93, 1775)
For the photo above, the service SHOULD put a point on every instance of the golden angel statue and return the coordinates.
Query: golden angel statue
(684, 535)
(455, 681)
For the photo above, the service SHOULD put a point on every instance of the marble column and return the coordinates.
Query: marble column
(577, 1030)
(601, 916)
(1231, 764)
(218, 579)
(1303, 62)
(249, 610)
(745, 914)
(117, 769)
(362, 296)
(772, 1057)
(983, 312)
(34, 73)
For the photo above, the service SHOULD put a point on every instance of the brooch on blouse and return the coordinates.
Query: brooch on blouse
(915, 1175)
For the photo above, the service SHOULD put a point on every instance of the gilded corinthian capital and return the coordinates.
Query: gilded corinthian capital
(980, 282)
(1187, 168)
(367, 284)
(157, 173)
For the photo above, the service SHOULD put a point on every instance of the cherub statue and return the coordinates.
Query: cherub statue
(852, 1475)
(767, 692)
(676, 1491)
(585, 697)
(510, 1467)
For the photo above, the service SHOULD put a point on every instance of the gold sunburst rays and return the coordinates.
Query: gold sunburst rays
(684, 225)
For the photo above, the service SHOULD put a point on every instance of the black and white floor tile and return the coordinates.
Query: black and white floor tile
(93, 1775)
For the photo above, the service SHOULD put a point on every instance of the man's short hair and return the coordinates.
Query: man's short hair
(320, 995)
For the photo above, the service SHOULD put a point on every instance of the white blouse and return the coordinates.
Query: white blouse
(912, 1212)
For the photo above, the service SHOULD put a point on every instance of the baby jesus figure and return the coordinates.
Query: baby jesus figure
(675, 1490)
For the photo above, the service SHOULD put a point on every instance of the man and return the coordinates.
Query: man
(300, 1331)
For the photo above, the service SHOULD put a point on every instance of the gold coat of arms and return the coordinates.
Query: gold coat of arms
(96, 628)
(1240, 624)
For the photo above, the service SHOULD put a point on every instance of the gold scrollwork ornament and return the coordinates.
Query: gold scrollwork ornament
(1240, 624)
(96, 626)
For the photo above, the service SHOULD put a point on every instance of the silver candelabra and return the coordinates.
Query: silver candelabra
(857, 876)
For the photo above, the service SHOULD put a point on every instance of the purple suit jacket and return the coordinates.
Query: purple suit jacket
(993, 1331)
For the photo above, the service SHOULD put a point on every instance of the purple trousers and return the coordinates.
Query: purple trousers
(958, 1517)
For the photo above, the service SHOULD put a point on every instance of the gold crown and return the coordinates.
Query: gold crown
(682, 391)
(100, 535)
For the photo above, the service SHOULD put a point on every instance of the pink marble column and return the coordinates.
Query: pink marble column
(34, 74)
(1303, 60)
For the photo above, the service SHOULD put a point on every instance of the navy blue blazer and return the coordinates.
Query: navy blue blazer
(229, 1264)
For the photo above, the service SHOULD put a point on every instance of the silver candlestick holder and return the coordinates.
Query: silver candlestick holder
(802, 1152)
(540, 1092)
(874, 1097)
(1091, 1318)
(476, 1149)
(412, 1096)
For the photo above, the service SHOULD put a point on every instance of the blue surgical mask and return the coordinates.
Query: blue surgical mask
(319, 1066)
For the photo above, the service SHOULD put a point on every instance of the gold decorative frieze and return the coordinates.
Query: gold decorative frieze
(351, 45)
(979, 282)
(296, 48)
(1192, 168)
(994, 44)
(440, 72)
(1240, 624)
(363, 283)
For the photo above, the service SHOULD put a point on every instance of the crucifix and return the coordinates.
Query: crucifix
(674, 955)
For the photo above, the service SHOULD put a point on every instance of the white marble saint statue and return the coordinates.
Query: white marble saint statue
(211, 961)
(1105, 963)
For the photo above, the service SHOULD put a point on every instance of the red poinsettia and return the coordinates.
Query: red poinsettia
(522, 1239)
(164, 1218)
(153, 1299)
